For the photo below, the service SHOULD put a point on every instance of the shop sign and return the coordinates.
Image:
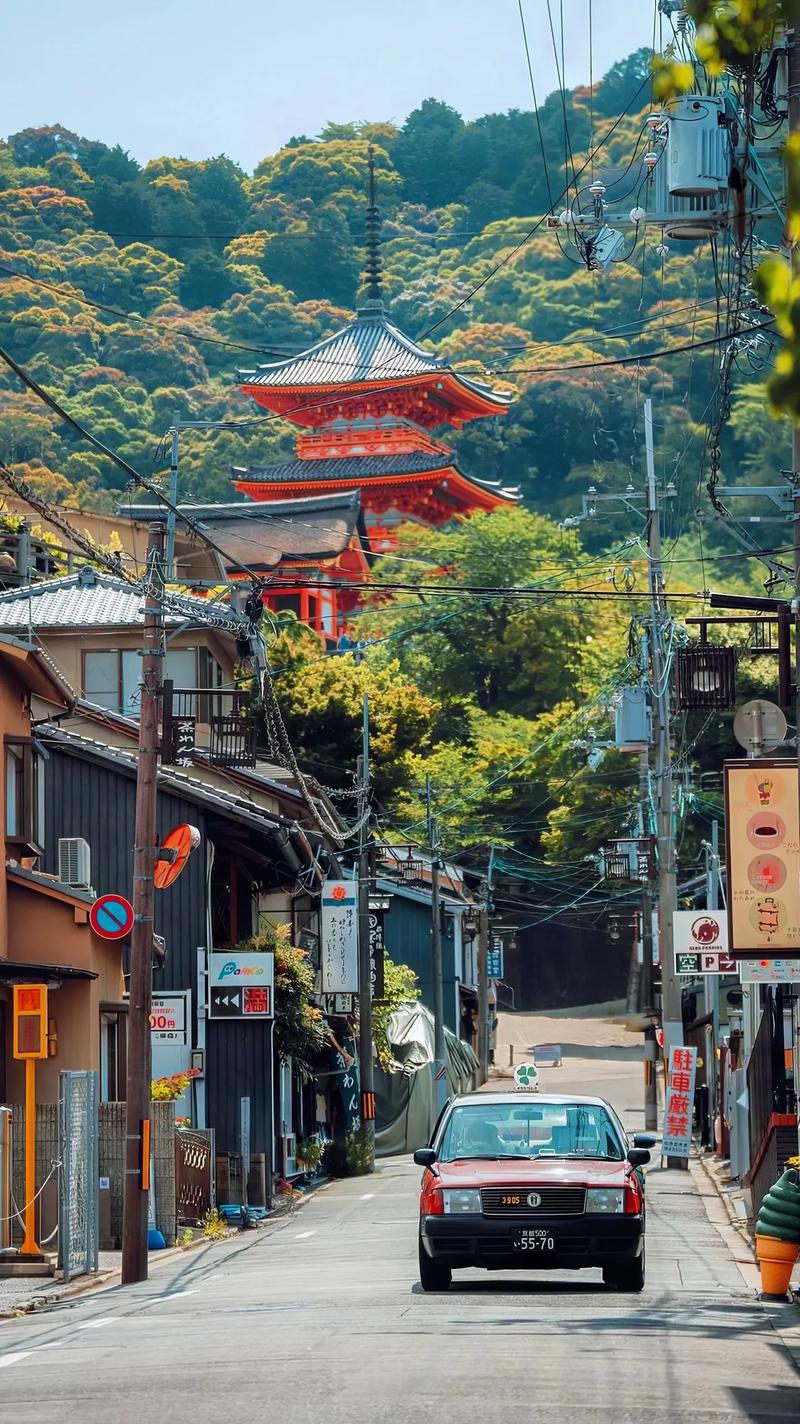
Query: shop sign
(339, 937)
(769, 971)
(240, 985)
(763, 859)
(679, 1102)
(168, 1018)
(376, 956)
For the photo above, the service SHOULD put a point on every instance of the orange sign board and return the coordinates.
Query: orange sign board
(30, 1021)
(762, 816)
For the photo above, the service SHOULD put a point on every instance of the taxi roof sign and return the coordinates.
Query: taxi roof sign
(526, 1077)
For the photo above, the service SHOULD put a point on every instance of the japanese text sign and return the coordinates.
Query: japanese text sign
(376, 954)
(763, 829)
(339, 937)
(679, 1102)
(168, 1018)
(30, 1021)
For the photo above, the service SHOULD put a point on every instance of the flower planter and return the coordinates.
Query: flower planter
(778, 1234)
(776, 1261)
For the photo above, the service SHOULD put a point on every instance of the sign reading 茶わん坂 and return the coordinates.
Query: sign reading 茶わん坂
(339, 937)
(679, 1102)
(763, 831)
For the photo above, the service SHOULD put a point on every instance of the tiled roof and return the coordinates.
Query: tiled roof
(86, 599)
(371, 348)
(351, 468)
(261, 535)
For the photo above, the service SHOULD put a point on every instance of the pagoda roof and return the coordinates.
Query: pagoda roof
(356, 470)
(370, 350)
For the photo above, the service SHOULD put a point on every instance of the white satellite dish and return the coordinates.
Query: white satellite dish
(759, 727)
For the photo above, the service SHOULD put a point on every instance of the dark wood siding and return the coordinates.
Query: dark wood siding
(97, 801)
(407, 936)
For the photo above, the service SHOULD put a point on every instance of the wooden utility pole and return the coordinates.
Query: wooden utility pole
(483, 980)
(365, 1034)
(137, 1155)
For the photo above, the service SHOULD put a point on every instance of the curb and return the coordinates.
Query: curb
(733, 1217)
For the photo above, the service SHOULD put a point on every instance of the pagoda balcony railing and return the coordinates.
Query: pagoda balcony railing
(215, 722)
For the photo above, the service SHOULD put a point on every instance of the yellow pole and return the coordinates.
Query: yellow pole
(29, 1246)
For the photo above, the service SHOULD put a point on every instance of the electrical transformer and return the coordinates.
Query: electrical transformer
(632, 721)
(697, 148)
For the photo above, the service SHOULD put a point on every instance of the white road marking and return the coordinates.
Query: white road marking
(14, 1358)
(301, 1235)
(95, 1324)
(368, 1196)
(176, 1295)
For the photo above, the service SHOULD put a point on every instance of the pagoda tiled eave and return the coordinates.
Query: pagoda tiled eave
(418, 485)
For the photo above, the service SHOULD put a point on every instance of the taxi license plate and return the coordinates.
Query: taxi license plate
(533, 1240)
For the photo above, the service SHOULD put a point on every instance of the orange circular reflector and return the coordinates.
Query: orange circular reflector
(173, 855)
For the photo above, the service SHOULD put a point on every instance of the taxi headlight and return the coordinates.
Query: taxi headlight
(606, 1199)
(465, 1200)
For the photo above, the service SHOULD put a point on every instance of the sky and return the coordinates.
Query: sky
(197, 78)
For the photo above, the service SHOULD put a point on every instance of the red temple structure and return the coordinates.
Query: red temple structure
(367, 401)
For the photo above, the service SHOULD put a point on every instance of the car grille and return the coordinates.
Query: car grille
(513, 1201)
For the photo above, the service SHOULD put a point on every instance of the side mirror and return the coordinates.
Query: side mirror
(644, 1139)
(638, 1156)
(426, 1156)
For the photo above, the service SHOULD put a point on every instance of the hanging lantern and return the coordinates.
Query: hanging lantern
(704, 677)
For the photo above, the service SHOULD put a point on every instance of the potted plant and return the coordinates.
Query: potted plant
(309, 1155)
(778, 1231)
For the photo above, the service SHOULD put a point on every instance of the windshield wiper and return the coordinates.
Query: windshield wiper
(491, 1157)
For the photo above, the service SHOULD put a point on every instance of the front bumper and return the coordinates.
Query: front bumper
(581, 1241)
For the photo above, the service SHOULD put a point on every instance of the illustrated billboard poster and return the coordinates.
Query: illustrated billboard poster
(339, 937)
(679, 1102)
(763, 858)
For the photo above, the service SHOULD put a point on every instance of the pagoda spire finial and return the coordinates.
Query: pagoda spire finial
(374, 284)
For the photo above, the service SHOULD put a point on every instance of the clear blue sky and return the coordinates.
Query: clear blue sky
(200, 77)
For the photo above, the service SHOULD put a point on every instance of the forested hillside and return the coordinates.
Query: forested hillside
(135, 292)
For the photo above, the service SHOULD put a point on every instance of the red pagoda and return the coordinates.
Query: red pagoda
(367, 401)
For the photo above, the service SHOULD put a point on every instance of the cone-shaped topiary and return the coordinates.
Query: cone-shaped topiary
(780, 1210)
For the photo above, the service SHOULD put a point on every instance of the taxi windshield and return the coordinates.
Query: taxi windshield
(494, 1130)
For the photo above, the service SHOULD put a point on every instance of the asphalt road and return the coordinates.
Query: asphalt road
(322, 1319)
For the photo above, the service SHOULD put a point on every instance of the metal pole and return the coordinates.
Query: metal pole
(436, 935)
(646, 980)
(483, 980)
(793, 87)
(173, 496)
(712, 980)
(365, 1035)
(29, 1245)
(137, 1167)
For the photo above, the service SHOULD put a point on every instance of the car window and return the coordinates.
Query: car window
(530, 1130)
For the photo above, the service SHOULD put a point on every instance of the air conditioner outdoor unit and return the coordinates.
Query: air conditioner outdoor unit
(75, 862)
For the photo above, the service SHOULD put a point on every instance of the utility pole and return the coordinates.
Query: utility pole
(436, 937)
(483, 972)
(173, 496)
(712, 980)
(137, 1155)
(671, 1001)
(646, 981)
(667, 883)
(365, 1037)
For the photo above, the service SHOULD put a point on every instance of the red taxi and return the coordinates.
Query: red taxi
(528, 1181)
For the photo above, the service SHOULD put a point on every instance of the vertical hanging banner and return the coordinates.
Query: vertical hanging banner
(679, 1102)
(339, 937)
(763, 858)
(376, 962)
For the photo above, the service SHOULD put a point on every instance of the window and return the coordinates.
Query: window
(24, 787)
(510, 1129)
(111, 679)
